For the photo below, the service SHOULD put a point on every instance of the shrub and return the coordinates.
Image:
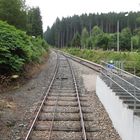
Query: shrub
(17, 48)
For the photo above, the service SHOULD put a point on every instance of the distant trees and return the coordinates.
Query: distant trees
(76, 41)
(34, 23)
(96, 30)
(101, 40)
(96, 34)
(125, 39)
(84, 37)
(112, 43)
(15, 12)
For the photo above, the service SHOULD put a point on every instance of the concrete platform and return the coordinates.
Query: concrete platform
(126, 123)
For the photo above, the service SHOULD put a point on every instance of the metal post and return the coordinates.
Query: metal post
(118, 45)
(111, 76)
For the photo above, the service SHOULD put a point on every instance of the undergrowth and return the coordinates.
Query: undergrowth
(17, 48)
(131, 60)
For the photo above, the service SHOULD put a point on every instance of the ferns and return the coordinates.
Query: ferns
(17, 48)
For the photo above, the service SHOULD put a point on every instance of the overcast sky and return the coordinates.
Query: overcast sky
(51, 9)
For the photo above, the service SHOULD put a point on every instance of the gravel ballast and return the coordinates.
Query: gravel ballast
(101, 122)
(17, 107)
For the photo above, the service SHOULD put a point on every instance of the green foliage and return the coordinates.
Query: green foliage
(13, 11)
(136, 40)
(138, 20)
(89, 43)
(125, 39)
(76, 41)
(112, 43)
(84, 37)
(34, 25)
(16, 48)
(64, 29)
(96, 34)
(130, 59)
(102, 41)
(39, 47)
(96, 31)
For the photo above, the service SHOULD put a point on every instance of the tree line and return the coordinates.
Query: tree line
(17, 13)
(96, 30)
(106, 41)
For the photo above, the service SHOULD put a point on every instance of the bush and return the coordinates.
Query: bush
(17, 48)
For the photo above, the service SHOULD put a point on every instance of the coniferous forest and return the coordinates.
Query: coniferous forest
(96, 31)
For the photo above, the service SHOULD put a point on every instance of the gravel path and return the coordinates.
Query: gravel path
(101, 123)
(17, 107)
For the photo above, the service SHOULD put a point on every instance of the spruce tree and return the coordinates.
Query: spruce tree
(13, 11)
(84, 37)
(35, 22)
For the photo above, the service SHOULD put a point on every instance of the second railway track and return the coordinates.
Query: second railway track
(63, 114)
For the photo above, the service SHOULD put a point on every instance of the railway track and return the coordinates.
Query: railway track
(124, 84)
(63, 113)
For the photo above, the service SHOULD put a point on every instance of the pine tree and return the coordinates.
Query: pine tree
(84, 37)
(13, 11)
(125, 39)
(35, 22)
(61, 33)
(76, 41)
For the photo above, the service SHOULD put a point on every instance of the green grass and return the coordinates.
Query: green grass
(131, 60)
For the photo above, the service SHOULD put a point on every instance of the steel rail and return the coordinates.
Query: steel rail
(94, 64)
(81, 61)
(52, 121)
(88, 64)
(123, 71)
(124, 80)
(79, 104)
(121, 87)
(100, 66)
(40, 108)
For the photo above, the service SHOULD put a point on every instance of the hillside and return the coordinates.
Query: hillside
(21, 56)
(17, 48)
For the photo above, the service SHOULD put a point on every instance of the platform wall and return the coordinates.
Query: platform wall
(125, 123)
